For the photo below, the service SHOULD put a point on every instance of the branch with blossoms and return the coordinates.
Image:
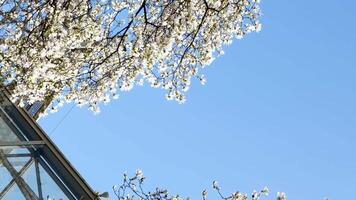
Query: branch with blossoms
(88, 51)
(132, 189)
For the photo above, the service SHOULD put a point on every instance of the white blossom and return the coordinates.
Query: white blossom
(281, 196)
(88, 51)
(139, 174)
(265, 191)
(215, 185)
(135, 186)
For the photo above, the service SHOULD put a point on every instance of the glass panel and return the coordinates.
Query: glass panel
(30, 178)
(6, 134)
(50, 189)
(14, 194)
(5, 177)
(18, 162)
(19, 150)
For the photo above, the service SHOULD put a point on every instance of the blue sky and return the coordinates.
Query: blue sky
(278, 110)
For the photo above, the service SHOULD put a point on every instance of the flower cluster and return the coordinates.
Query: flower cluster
(88, 51)
(132, 189)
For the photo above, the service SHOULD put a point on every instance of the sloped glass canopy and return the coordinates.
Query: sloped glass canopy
(31, 166)
(22, 173)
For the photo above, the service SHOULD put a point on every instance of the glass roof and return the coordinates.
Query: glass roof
(31, 166)
(21, 164)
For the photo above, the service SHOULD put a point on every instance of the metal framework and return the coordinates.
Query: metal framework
(25, 189)
(25, 149)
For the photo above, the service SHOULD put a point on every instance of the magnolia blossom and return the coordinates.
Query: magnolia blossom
(281, 196)
(89, 51)
(132, 189)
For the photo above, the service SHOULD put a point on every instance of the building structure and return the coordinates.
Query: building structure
(31, 166)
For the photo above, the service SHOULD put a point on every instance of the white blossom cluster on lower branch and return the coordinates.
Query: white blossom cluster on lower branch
(132, 189)
(88, 51)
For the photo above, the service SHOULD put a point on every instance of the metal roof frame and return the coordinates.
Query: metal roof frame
(51, 154)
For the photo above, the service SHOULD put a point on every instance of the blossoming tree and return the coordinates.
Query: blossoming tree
(87, 51)
(132, 189)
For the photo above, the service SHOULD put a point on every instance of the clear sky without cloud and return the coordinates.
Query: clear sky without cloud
(278, 109)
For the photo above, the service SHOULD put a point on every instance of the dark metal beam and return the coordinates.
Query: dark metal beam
(18, 155)
(38, 177)
(22, 143)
